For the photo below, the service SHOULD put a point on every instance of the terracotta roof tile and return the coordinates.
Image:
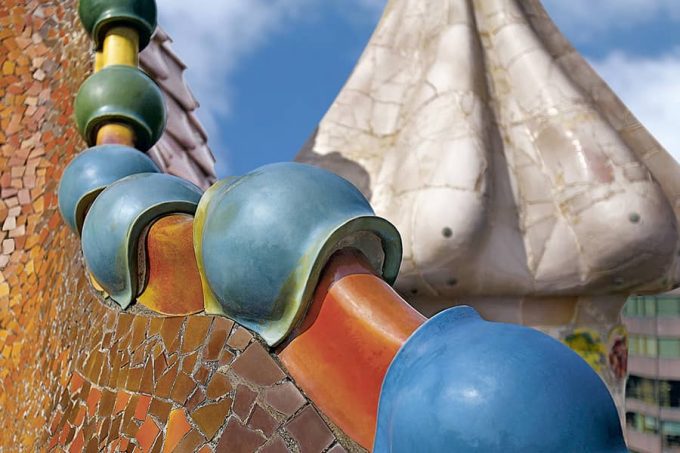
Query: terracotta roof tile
(183, 150)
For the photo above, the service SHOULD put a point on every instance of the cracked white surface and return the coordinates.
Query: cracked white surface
(520, 183)
(508, 166)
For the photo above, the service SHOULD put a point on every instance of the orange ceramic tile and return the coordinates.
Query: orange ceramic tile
(170, 333)
(219, 385)
(160, 409)
(174, 285)
(215, 343)
(121, 402)
(183, 387)
(191, 442)
(78, 443)
(76, 382)
(353, 330)
(195, 400)
(210, 418)
(80, 417)
(147, 434)
(93, 400)
(195, 332)
(142, 407)
(176, 429)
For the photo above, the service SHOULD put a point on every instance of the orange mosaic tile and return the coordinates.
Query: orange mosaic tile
(177, 428)
(147, 434)
(219, 385)
(210, 418)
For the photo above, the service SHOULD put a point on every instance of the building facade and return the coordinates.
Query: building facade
(653, 387)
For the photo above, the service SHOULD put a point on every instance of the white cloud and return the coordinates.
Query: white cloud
(650, 87)
(582, 20)
(214, 36)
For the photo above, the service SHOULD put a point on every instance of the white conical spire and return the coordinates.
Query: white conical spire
(506, 163)
(518, 180)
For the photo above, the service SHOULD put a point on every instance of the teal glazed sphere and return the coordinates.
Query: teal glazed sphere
(98, 16)
(460, 383)
(113, 228)
(263, 239)
(91, 172)
(121, 94)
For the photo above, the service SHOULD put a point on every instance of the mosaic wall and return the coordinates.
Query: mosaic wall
(77, 374)
(179, 384)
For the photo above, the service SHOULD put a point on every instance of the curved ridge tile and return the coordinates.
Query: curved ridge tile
(116, 222)
(262, 241)
(91, 172)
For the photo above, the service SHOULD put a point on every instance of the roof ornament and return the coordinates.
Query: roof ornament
(521, 185)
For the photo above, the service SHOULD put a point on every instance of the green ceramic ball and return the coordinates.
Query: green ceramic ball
(121, 94)
(97, 16)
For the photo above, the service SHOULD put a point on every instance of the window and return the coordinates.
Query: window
(649, 306)
(650, 391)
(642, 423)
(668, 306)
(643, 346)
(669, 348)
(630, 309)
(671, 434)
(642, 389)
(650, 349)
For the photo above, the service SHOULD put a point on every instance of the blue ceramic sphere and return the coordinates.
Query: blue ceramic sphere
(461, 384)
(116, 221)
(91, 172)
(262, 240)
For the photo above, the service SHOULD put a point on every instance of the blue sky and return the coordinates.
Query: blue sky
(265, 71)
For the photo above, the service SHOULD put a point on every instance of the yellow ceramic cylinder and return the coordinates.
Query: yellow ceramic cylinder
(116, 133)
(98, 61)
(121, 47)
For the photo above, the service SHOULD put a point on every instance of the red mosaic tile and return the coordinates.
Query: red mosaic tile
(240, 338)
(284, 398)
(261, 420)
(277, 445)
(257, 366)
(310, 431)
(238, 438)
(243, 401)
